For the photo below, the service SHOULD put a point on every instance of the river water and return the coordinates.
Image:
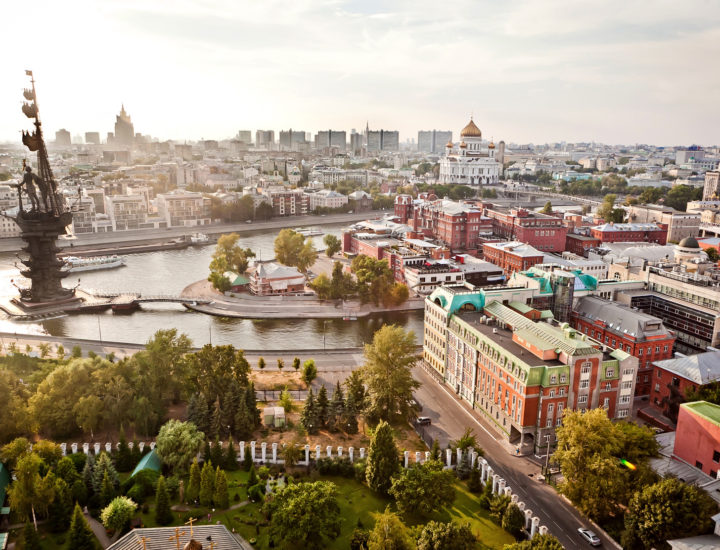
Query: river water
(168, 272)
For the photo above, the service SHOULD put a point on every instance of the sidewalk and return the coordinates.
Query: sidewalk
(99, 530)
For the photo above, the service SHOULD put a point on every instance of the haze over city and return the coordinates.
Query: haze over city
(614, 72)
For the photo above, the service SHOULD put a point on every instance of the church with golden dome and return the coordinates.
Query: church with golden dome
(473, 161)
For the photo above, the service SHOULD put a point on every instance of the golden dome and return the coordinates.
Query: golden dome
(449, 145)
(491, 146)
(463, 145)
(471, 130)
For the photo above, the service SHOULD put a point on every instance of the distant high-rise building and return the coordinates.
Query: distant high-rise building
(331, 138)
(712, 185)
(291, 139)
(245, 136)
(382, 140)
(264, 138)
(124, 130)
(356, 143)
(433, 141)
(92, 137)
(62, 138)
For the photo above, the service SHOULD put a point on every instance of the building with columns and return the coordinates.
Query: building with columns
(471, 162)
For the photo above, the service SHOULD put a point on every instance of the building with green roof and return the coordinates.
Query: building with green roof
(151, 461)
(4, 482)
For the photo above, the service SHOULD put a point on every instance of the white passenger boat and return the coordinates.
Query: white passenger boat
(199, 239)
(308, 231)
(94, 263)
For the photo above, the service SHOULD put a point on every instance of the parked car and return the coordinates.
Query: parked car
(591, 538)
(424, 420)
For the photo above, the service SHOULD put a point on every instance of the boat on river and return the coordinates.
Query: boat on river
(93, 263)
(308, 231)
(199, 239)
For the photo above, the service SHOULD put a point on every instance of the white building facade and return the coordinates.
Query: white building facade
(471, 162)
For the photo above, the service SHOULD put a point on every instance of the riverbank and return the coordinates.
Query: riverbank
(247, 306)
(149, 236)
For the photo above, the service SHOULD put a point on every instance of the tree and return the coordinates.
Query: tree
(547, 209)
(80, 537)
(288, 245)
(589, 451)
(13, 451)
(514, 520)
(124, 457)
(332, 245)
(60, 510)
(264, 211)
(538, 542)
(374, 278)
(390, 533)
(76, 352)
(228, 256)
(231, 459)
(466, 441)
(221, 498)
(24, 494)
(304, 515)
(31, 538)
(163, 514)
(44, 349)
(680, 195)
(387, 372)
(286, 401)
(296, 363)
(193, 487)
(261, 363)
(423, 488)
(116, 515)
(309, 372)
(382, 460)
(207, 484)
(322, 405)
(280, 364)
(199, 412)
(178, 443)
(437, 535)
(309, 415)
(292, 453)
(712, 254)
(474, 482)
(667, 510)
(107, 490)
(498, 507)
(336, 409)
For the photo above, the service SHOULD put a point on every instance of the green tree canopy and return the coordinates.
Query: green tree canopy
(387, 372)
(116, 515)
(80, 537)
(383, 459)
(228, 256)
(423, 488)
(292, 249)
(178, 443)
(437, 535)
(390, 533)
(163, 513)
(304, 515)
(538, 542)
(667, 510)
(332, 245)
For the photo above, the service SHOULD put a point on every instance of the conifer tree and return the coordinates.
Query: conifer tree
(60, 509)
(322, 404)
(221, 498)
(207, 452)
(336, 410)
(102, 466)
(192, 492)
(244, 424)
(252, 477)
(163, 514)
(247, 461)
(216, 454)
(124, 456)
(216, 420)
(87, 474)
(261, 363)
(383, 459)
(207, 484)
(107, 491)
(296, 363)
(136, 453)
(80, 537)
(350, 415)
(251, 400)
(231, 403)
(231, 460)
(309, 416)
(198, 412)
(31, 538)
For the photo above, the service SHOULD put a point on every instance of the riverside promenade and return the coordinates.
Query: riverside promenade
(247, 306)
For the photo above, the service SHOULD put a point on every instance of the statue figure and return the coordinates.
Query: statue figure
(27, 181)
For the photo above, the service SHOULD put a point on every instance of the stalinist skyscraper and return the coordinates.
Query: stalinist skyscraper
(124, 130)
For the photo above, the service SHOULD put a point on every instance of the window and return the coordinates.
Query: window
(561, 392)
(698, 465)
(584, 384)
(552, 393)
(716, 456)
(551, 408)
(659, 374)
(610, 373)
(606, 403)
(562, 378)
(548, 424)
(622, 413)
(608, 386)
(665, 348)
(640, 351)
(585, 369)
(582, 399)
(624, 399)
(553, 379)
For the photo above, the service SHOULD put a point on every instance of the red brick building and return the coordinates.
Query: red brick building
(630, 233)
(580, 244)
(621, 327)
(697, 438)
(512, 256)
(673, 377)
(543, 231)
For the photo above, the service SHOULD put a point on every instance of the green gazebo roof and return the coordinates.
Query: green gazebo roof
(150, 461)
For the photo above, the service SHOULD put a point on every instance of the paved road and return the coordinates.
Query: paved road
(450, 417)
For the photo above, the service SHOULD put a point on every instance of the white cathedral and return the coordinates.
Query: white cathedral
(473, 162)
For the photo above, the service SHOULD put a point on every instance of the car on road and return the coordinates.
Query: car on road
(591, 538)
(424, 420)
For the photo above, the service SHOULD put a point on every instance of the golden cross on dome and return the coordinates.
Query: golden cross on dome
(144, 540)
(190, 522)
(176, 537)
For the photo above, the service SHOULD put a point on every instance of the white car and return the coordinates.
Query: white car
(589, 536)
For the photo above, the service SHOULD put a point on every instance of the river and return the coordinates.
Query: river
(168, 272)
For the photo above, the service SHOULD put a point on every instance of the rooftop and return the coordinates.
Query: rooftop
(701, 368)
(516, 247)
(627, 227)
(708, 411)
(156, 538)
(621, 318)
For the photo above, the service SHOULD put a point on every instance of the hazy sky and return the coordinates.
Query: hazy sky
(613, 71)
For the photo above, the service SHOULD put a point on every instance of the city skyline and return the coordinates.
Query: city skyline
(617, 73)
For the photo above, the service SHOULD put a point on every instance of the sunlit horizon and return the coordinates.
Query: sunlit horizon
(614, 72)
